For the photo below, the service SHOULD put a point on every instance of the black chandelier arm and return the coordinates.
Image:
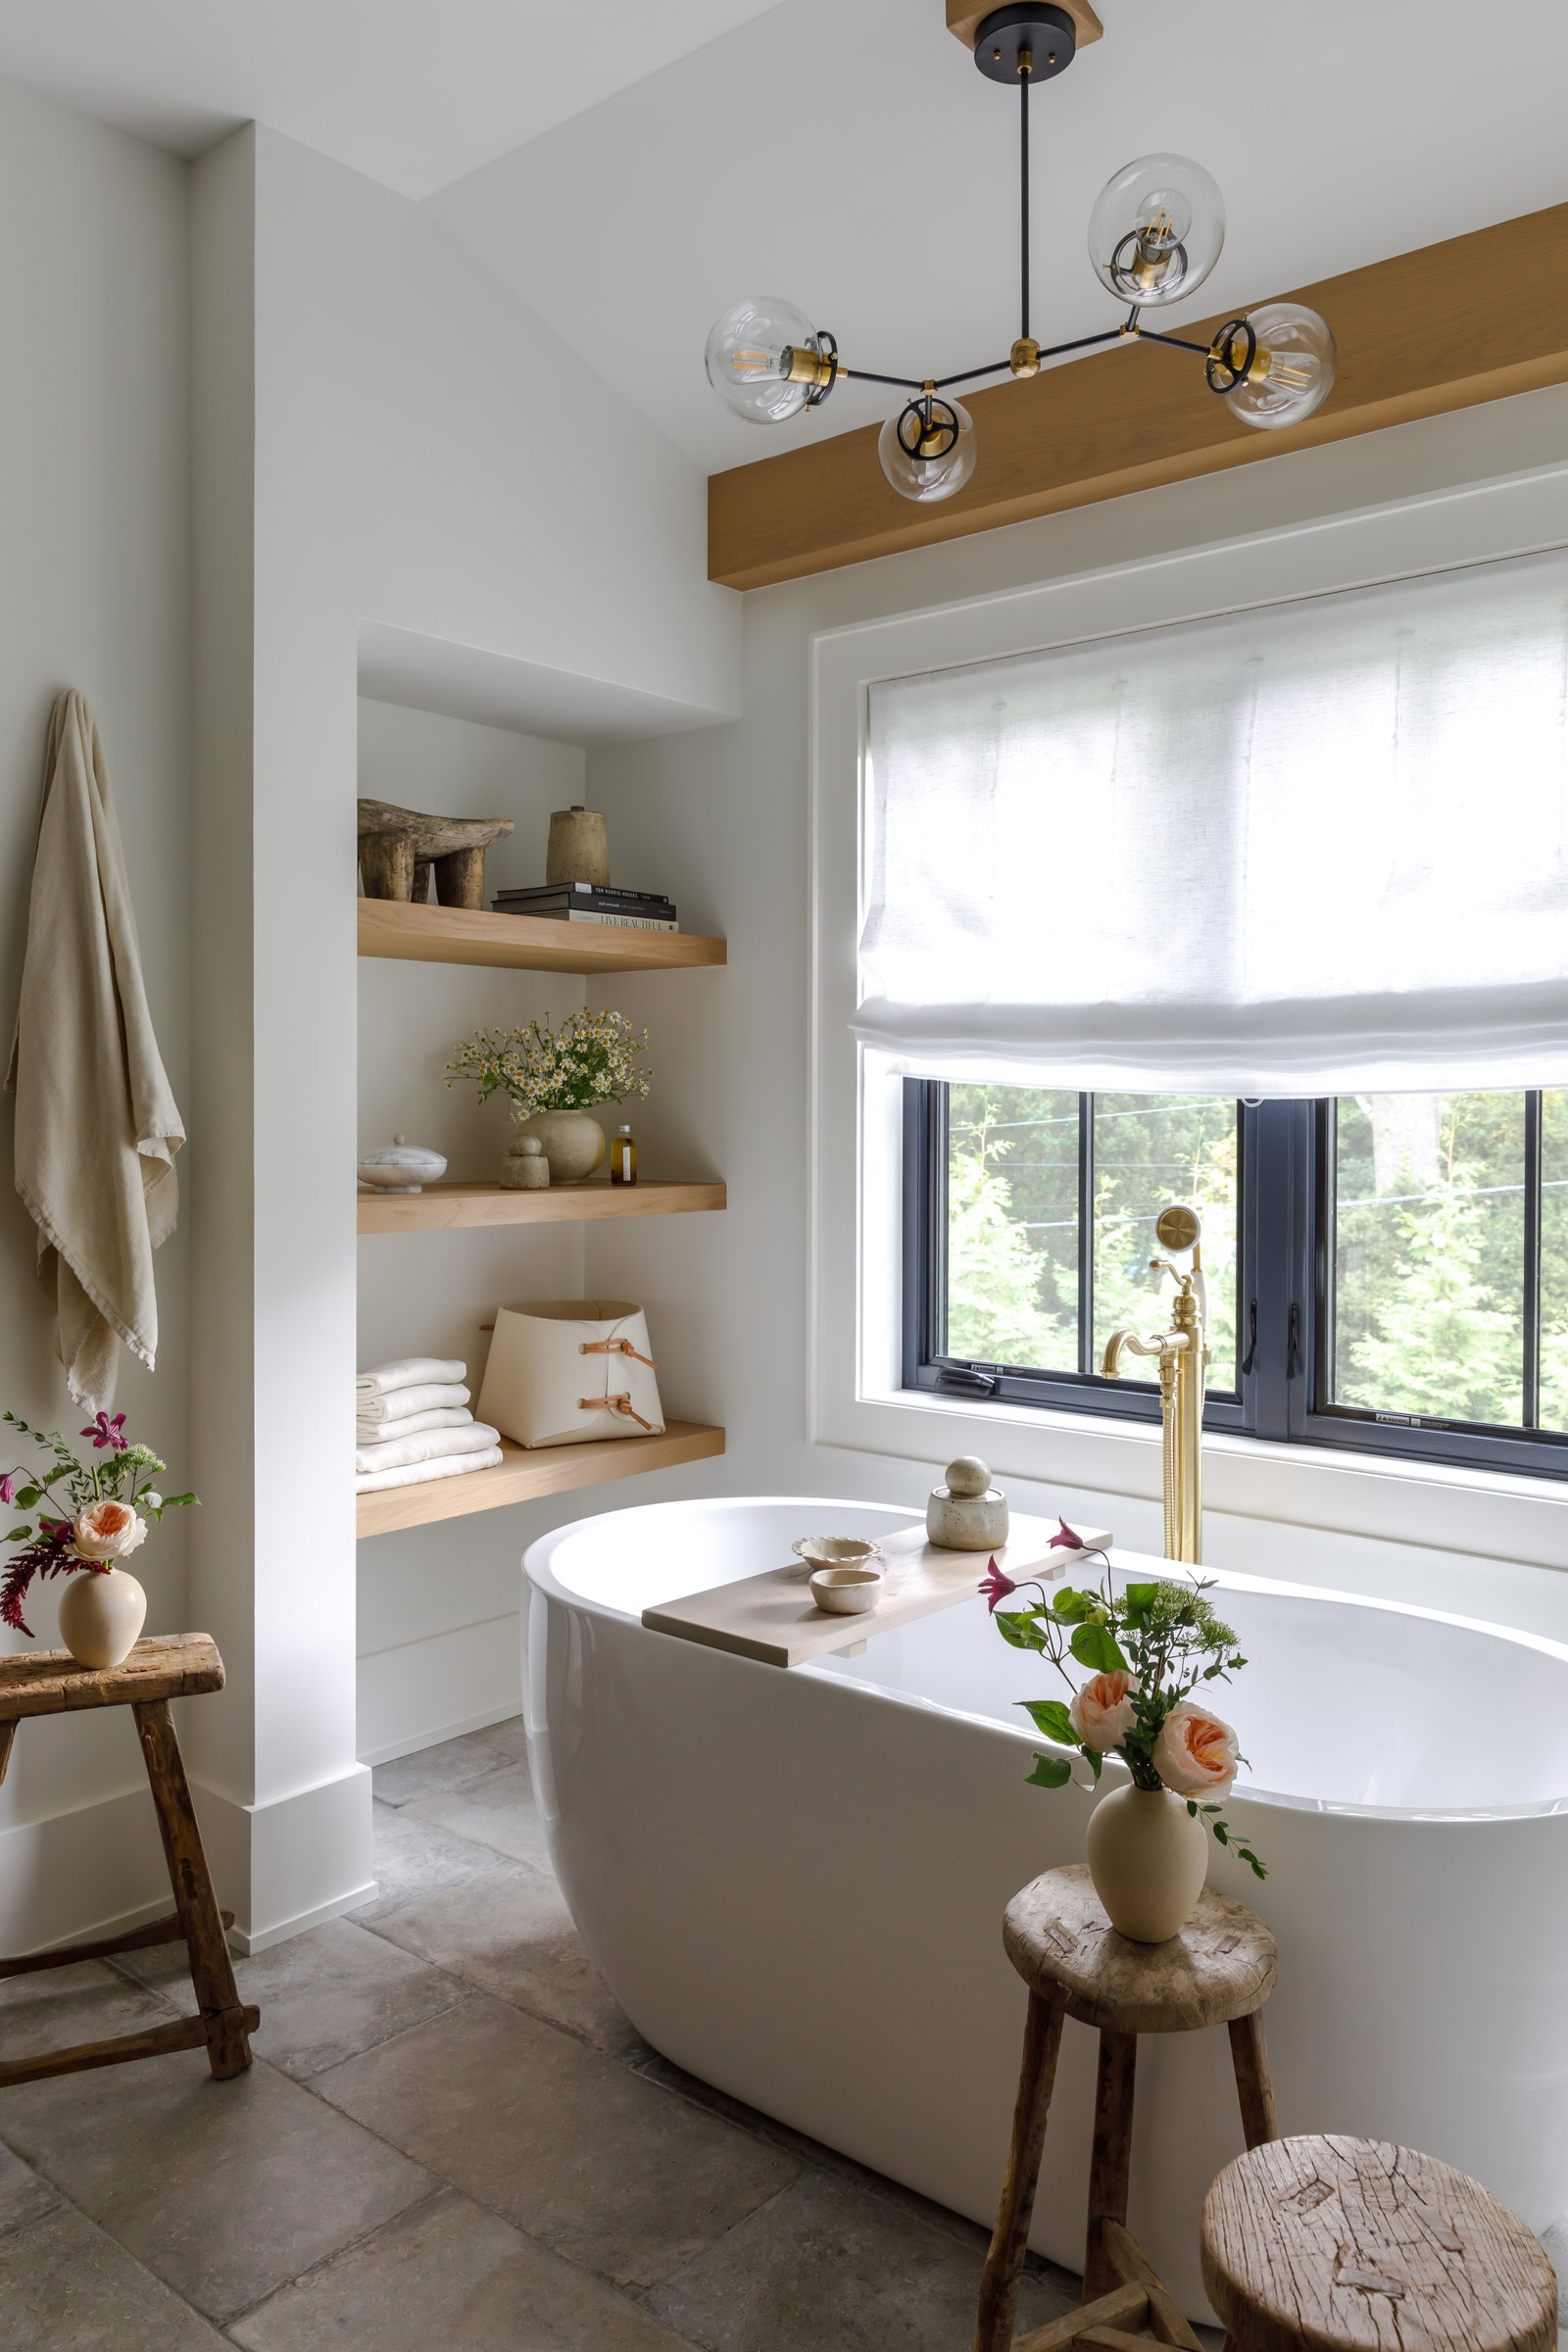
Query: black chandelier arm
(900, 383)
(972, 374)
(1177, 343)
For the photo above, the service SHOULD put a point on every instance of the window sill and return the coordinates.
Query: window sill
(1488, 1514)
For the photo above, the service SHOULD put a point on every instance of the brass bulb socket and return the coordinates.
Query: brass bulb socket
(1025, 356)
(807, 366)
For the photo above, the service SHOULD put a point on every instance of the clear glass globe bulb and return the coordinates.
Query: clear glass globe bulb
(1292, 373)
(928, 448)
(1156, 230)
(749, 354)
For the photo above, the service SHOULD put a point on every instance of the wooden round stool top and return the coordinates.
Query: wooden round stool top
(1222, 1965)
(1355, 2245)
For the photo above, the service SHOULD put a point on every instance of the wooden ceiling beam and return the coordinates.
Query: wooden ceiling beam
(1473, 319)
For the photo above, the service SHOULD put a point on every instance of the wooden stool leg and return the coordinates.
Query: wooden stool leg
(998, 2281)
(1249, 2058)
(1111, 2160)
(212, 1969)
(7, 1732)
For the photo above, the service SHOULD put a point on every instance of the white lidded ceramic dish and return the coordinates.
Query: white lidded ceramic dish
(835, 1552)
(846, 1591)
(401, 1167)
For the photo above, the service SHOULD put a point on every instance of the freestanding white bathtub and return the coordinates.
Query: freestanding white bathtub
(794, 1882)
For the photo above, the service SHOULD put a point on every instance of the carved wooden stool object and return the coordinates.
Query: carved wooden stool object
(1219, 1971)
(400, 849)
(1355, 2245)
(49, 1681)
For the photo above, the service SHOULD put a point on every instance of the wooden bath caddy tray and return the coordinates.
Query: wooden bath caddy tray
(774, 1619)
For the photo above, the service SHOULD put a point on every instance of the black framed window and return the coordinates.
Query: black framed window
(1388, 1273)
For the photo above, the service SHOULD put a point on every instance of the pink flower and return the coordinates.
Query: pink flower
(996, 1587)
(8, 1487)
(1065, 1538)
(1196, 1753)
(104, 1432)
(1102, 1712)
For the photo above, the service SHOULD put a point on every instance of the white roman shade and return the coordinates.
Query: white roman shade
(1312, 848)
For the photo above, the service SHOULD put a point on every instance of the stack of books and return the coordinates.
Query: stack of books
(587, 903)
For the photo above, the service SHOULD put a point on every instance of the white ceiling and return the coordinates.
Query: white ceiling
(846, 154)
(411, 92)
(659, 158)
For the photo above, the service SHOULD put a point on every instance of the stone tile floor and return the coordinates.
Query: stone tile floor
(452, 2139)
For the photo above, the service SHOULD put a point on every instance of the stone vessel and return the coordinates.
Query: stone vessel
(968, 1514)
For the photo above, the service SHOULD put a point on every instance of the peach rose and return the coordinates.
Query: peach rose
(1101, 1713)
(108, 1531)
(1196, 1753)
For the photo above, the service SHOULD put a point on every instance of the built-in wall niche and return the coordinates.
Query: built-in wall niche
(434, 1265)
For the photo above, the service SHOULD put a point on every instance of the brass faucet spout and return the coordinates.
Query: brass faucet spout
(1183, 1355)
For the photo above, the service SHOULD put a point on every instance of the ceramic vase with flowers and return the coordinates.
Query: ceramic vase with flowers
(83, 1519)
(551, 1077)
(1145, 1650)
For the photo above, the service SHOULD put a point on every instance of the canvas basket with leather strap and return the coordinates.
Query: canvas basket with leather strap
(562, 1370)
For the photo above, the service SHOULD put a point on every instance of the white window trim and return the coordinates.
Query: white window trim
(854, 1398)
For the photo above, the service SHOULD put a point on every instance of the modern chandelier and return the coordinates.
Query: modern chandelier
(1154, 234)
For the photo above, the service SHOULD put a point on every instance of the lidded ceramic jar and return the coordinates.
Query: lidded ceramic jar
(401, 1166)
(968, 1514)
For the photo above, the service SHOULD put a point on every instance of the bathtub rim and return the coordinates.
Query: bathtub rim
(537, 1572)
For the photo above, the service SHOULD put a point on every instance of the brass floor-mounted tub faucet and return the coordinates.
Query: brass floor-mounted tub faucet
(1183, 1354)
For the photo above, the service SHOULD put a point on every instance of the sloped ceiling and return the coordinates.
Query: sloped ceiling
(410, 92)
(846, 154)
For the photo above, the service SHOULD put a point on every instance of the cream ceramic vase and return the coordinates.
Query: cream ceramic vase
(573, 1141)
(1148, 1857)
(101, 1616)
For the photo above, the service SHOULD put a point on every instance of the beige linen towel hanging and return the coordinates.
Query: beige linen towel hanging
(97, 1129)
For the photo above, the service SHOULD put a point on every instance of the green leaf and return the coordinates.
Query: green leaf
(1192, 1808)
(1017, 1627)
(18, 1535)
(1221, 1832)
(172, 1501)
(27, 1498)
(1094, 1646)
(1071, 1606)
(1096, 1761)
(1051, 1717)
(1050, 1772)
(1141, 1596)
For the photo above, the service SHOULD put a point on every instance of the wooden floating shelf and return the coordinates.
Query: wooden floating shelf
(526, 1476)
(458, 1208)
(525, 942)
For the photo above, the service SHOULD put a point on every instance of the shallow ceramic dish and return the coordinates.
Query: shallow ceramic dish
(835, 1552)
(846, 1591)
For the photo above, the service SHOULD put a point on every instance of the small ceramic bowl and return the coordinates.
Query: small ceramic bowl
(846, 1591)
(835, 1552)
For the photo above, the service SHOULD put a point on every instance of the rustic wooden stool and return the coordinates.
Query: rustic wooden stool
(1349, 2245)
(1218, 1971)
(49, 1681)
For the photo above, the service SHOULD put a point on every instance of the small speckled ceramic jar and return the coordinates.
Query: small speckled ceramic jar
(968, 1514)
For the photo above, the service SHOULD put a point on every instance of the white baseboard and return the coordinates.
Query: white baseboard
(284, 1867)
(76, 1876)
(448, 1731)
(417, 1693)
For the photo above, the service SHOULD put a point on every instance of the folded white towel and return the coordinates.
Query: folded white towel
(415, 1474)
(434, 1396)
(431, 1446)
(406, 1425)
(410, 1372)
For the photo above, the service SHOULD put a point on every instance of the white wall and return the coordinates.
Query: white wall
(95, 593)
(385, 435)
(728, 807)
